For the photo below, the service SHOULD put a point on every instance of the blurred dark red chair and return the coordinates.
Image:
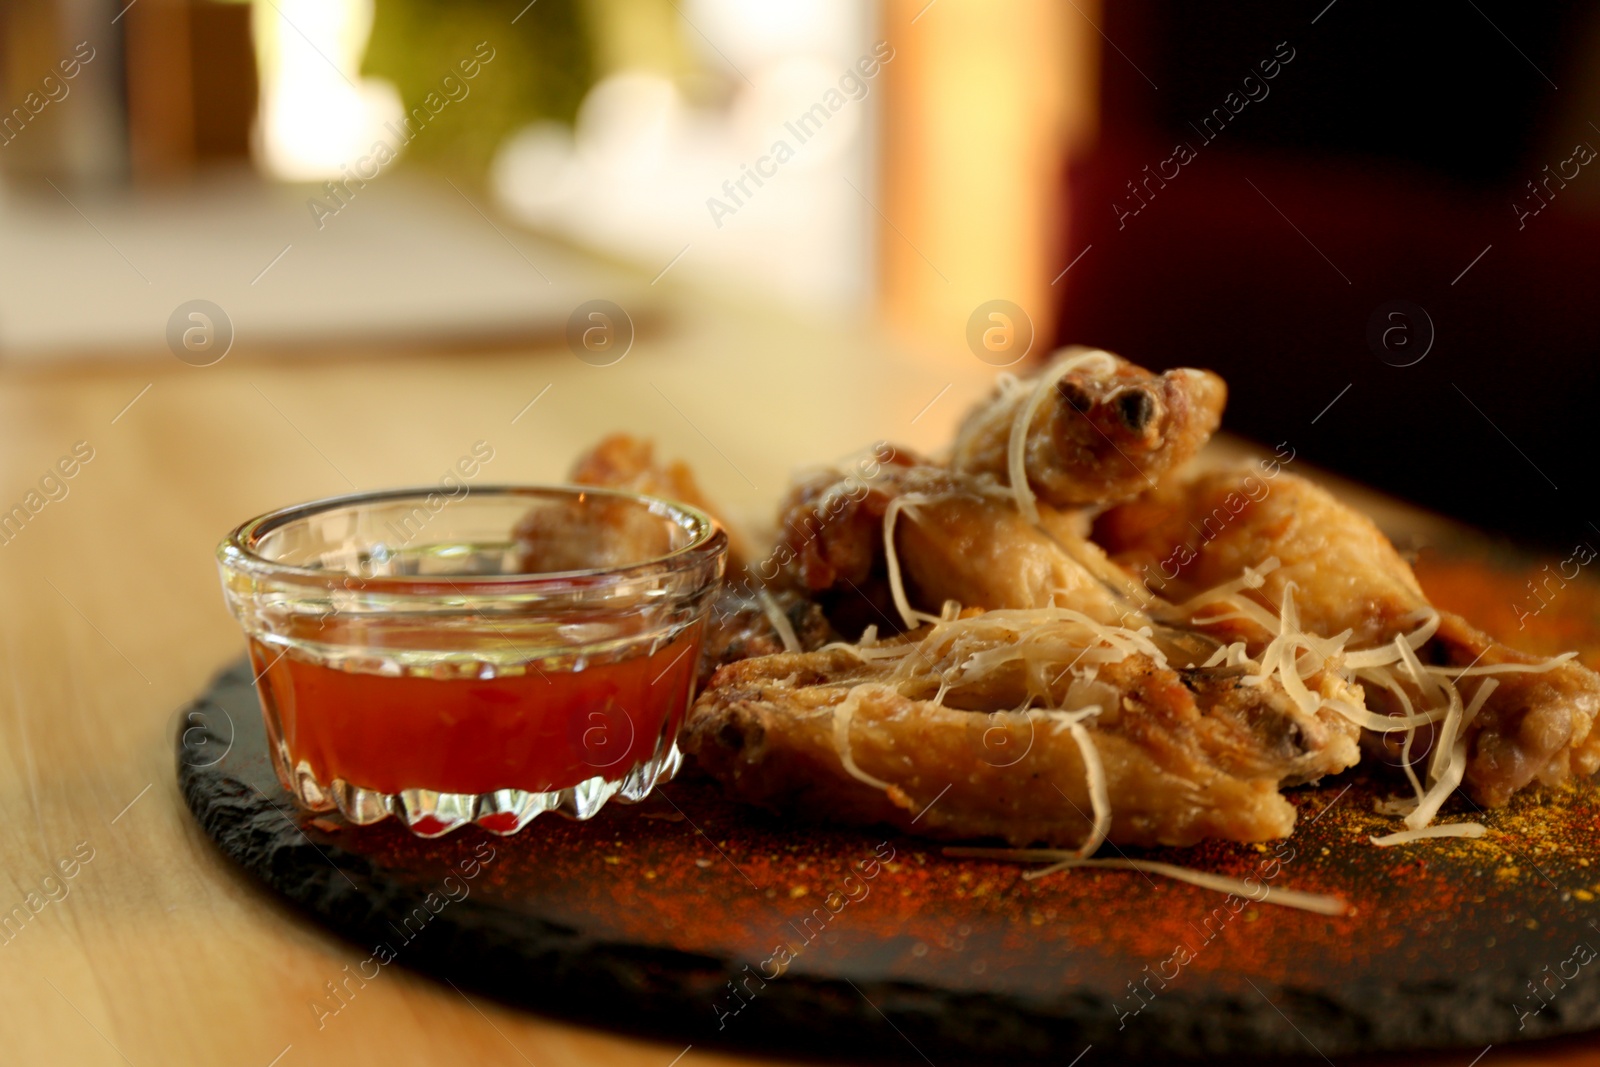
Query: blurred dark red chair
(1385, 162)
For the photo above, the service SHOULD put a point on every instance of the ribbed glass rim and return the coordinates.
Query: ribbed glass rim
(237, 552)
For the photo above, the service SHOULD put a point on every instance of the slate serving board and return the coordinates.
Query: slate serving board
(675, 917)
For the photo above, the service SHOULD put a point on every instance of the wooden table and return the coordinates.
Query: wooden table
(156, 951)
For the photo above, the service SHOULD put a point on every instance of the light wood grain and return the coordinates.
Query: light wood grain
(160, 953)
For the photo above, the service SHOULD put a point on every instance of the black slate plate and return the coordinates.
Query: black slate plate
(671, 918)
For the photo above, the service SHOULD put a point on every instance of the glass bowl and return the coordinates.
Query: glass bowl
(480, 655)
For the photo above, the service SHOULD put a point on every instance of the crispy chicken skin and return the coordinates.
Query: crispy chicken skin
(741, 627)
(1187, 754)
(957, 537)
(1106, 431)
(1188, 538)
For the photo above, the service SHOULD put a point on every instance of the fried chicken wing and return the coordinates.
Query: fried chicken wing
(603, 532)
(933, 733)
(957, 537)
(553, 537)
(744, 626)
(1347, 576)
(620, 461)
(1104, 430)
(744, 621)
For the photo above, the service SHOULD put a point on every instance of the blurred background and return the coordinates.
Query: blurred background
(1378, 222)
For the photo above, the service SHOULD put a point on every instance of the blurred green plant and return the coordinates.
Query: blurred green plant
(543, 64)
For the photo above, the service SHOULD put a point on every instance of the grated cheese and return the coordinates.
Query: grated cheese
(1293, 656)
(1099, 795)
(1070, 360)
(843, 714)
(897, 588)
(1505, 668)
(1061, 859)
(1455, 765)
(1426, 833)
(780, 622)
(1381, 656)
(1418, 792)
(1394, 806)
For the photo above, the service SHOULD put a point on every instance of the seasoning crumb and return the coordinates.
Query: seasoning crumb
(797, 891)
(613, 860)
(1583, 895)
(702, 863)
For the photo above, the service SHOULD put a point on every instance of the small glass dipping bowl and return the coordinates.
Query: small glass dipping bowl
(478, 657)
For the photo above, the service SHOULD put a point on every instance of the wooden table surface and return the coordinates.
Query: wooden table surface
(156, 951)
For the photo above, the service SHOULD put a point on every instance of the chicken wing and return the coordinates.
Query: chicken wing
(1104, 429)
(1535, 726)
(743, 626)
(604, 531)
(745, 620)
(956, 537)
(984, 726)
(623, 462)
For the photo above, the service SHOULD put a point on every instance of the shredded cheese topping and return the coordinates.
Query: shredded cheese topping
(897, 586)
(1453, 829)
(1060, 859)
(780, 622)
(957, 651)
(1293, 656)
(1071, 359)
(1099, 795)
(843, 713)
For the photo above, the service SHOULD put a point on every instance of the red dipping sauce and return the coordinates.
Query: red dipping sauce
(480, 657)
(538, 731)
